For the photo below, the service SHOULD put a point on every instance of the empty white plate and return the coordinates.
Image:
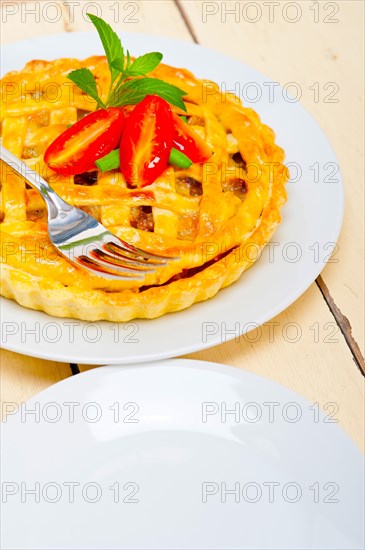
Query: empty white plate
(178, 455)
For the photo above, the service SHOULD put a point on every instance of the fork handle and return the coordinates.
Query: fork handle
(54, 201)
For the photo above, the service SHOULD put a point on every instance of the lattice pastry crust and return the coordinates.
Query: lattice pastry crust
(215, 216)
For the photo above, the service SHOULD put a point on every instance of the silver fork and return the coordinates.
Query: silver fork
(82, 239)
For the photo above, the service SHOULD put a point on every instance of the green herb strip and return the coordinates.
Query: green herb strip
(129, 83)
(111, 161)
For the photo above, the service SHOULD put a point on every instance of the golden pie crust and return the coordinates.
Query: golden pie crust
(216, 216)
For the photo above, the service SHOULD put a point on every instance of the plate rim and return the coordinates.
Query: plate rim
(33, 350)
(177, 363)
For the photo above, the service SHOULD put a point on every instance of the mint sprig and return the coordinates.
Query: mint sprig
(129, 83)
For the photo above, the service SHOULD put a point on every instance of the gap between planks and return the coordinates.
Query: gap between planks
(74, 368)
(341, 320)
(343, 324)
(66, 16)
(186, 20)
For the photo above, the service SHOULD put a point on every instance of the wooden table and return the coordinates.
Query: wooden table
(317, 45)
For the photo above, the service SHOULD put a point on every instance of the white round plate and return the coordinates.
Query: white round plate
(178, 455)
(303, 243)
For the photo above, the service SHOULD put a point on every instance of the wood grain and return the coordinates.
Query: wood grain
(303, 349)
(319, 365)
(312, 50)
(25, 20)
(22, 377)
(316, 366)
(160, 17)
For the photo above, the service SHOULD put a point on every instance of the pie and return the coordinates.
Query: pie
(215, 217)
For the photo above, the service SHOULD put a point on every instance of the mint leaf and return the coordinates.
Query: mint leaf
(111, 44)
(145, 64)
(84, 79)
(141, 65)
(134, 91)
(118, 65)
(128, 64)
